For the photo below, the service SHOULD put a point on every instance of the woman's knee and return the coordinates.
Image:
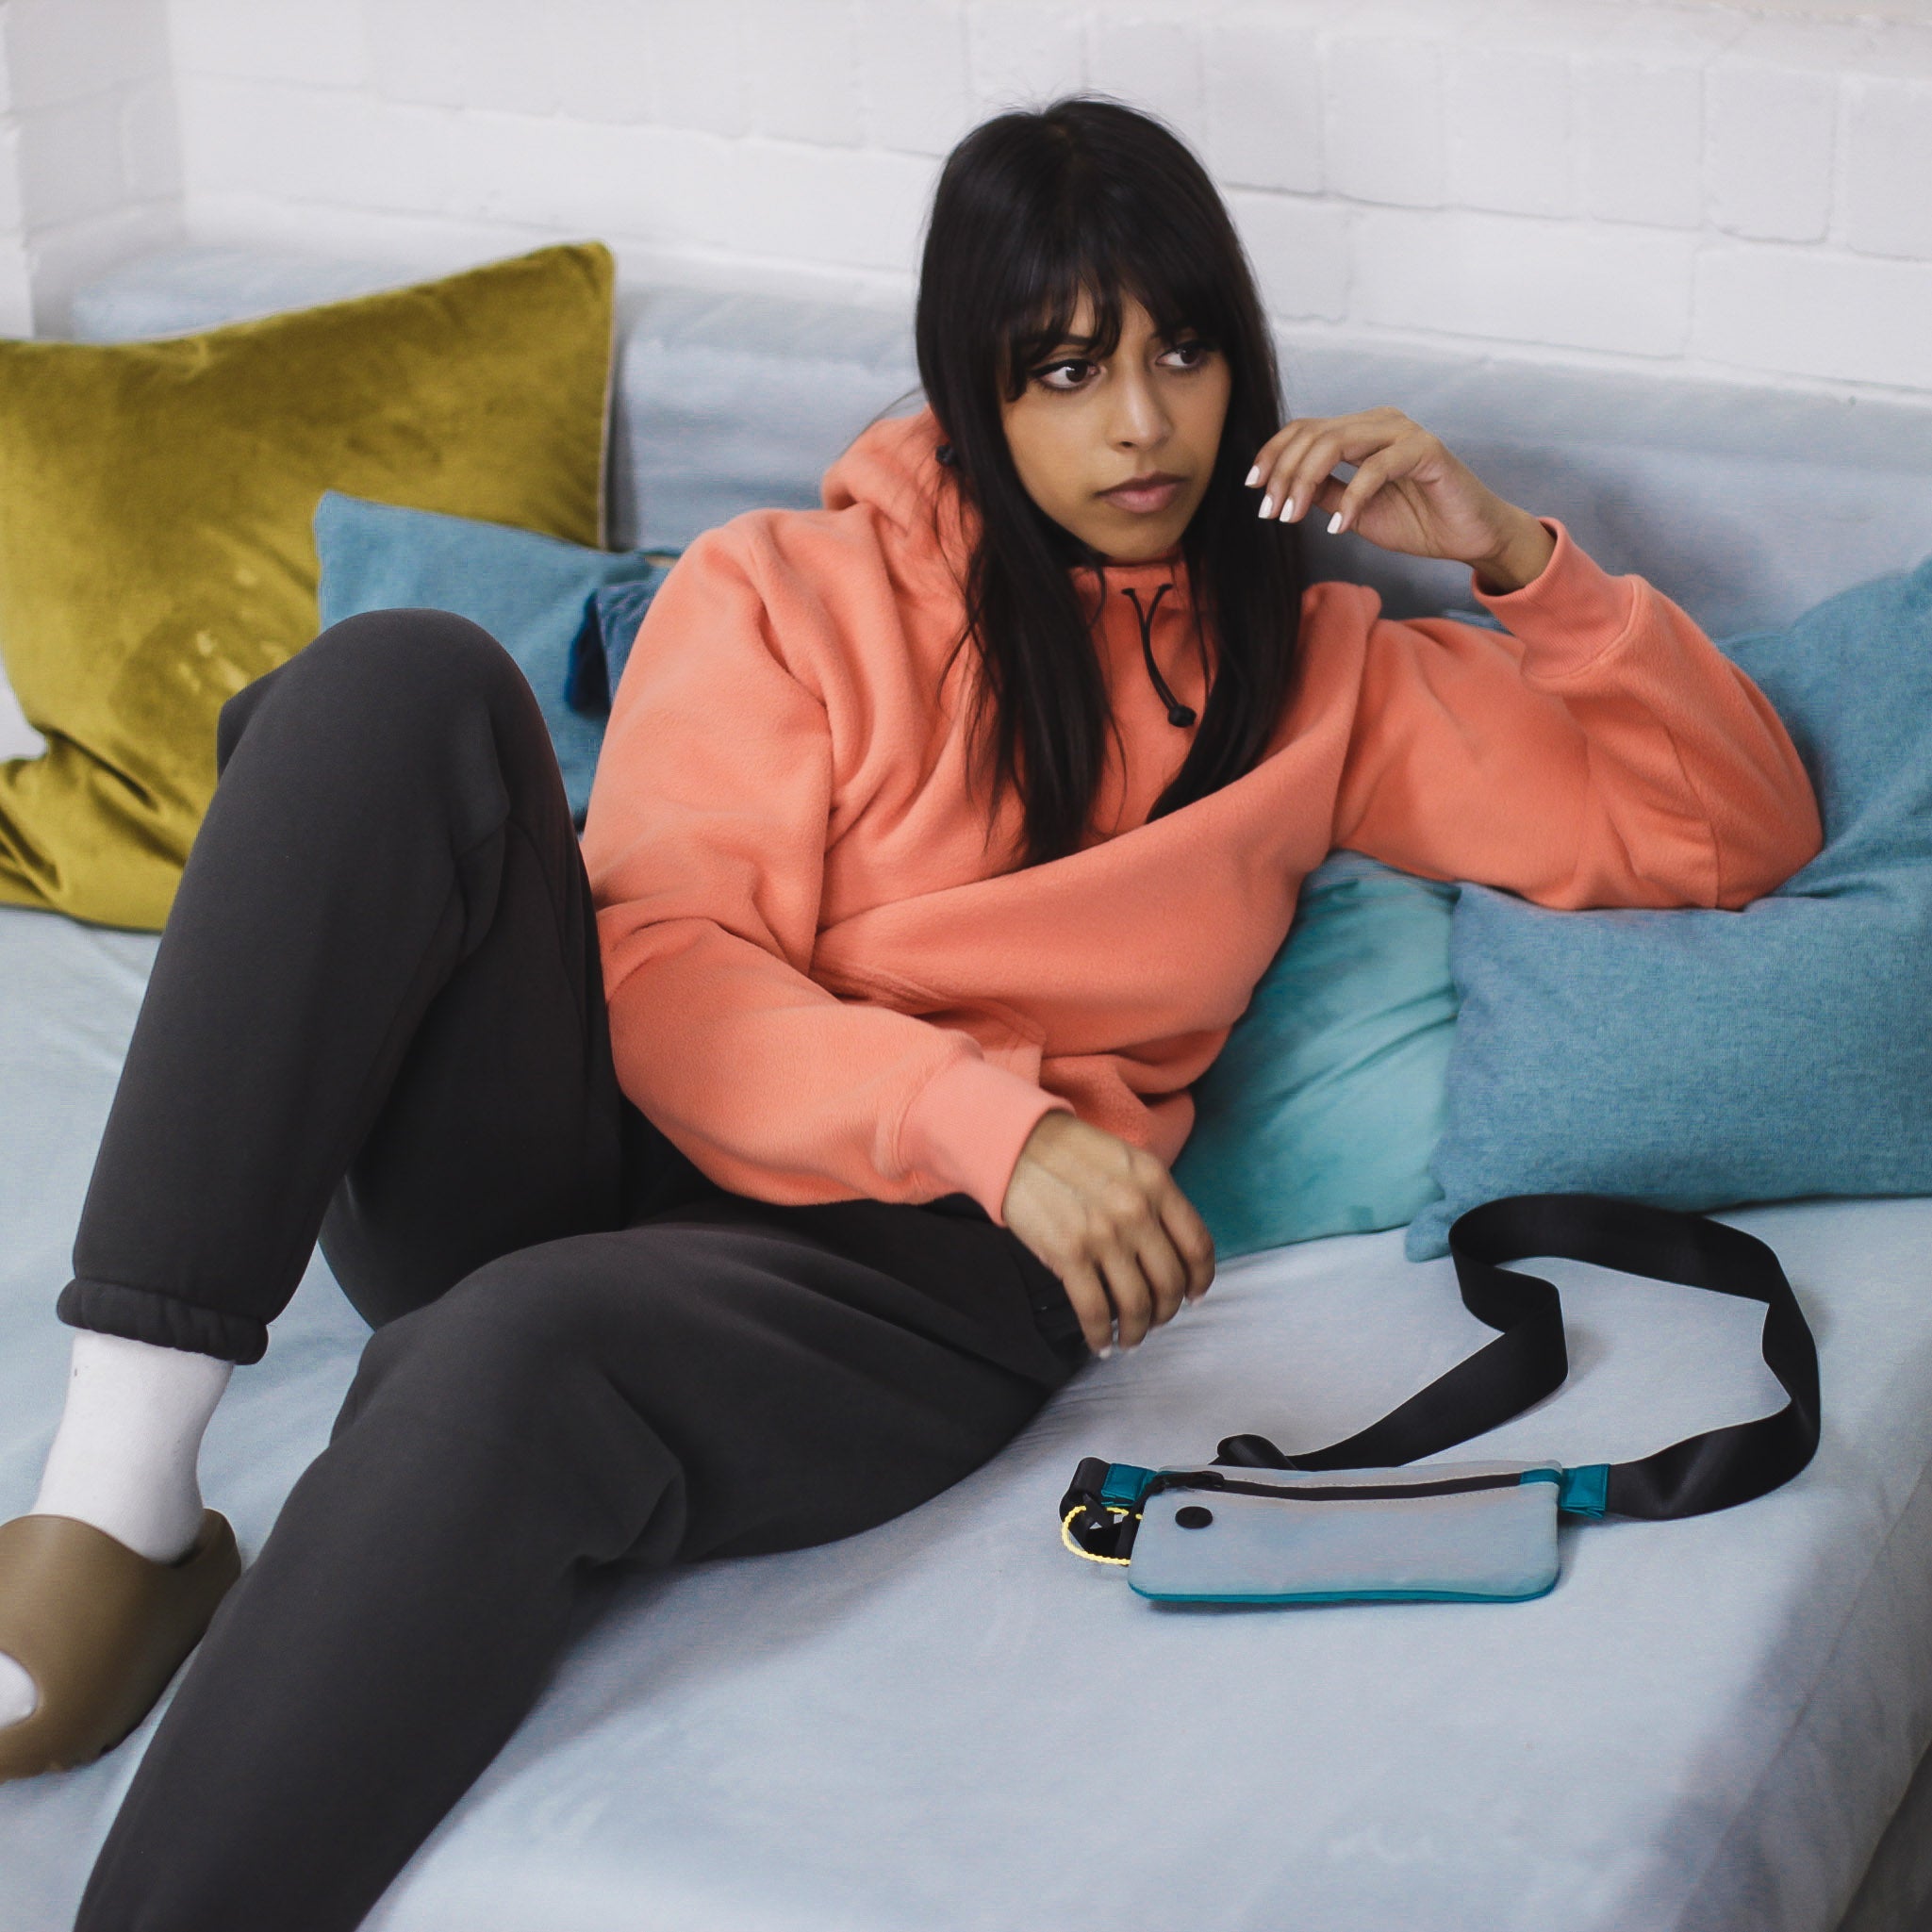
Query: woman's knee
(392, 671)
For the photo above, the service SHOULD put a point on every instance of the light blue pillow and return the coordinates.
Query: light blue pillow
(534, 594)
(1319, 1114)
(1703, 1059)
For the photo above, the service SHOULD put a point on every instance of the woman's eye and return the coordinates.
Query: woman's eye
(1063, 375)
(1187, 355)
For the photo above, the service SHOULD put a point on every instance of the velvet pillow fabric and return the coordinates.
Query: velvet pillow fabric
(155, 501)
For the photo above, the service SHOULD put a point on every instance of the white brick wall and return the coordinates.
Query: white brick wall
(1510, 143)
(1845, 318)
(1770, 123)
(1382, 111)
(917, 84)
(90, 159)
(1263, 86)
(1639, 127)
(1886, 186)
(1707, 185)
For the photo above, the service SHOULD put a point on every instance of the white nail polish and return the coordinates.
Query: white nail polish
(1105, 1354)
(1335, 524)
(1288, 511)
(1267, 508)
(1254, 476)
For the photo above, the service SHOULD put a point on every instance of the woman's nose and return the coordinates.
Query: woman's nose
(1139, 421)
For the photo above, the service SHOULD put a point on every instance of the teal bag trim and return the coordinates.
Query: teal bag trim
(1585, 1491)
(1344, 1596)
(1125, 1486)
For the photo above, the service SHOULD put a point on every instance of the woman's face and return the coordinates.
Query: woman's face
(1119, 451)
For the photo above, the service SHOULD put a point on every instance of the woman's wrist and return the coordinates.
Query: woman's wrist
(1519, 560)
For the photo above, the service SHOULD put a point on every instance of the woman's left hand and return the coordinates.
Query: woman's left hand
(1408, 494)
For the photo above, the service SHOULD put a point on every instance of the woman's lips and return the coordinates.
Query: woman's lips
(1144, 495)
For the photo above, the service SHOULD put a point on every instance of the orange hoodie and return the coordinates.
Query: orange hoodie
(828, 976)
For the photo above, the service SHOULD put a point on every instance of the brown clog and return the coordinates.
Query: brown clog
(99, 1629)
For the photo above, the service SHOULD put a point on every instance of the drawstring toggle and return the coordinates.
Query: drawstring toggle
(1179, 715)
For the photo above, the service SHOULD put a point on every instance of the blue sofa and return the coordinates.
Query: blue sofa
(948, 1725)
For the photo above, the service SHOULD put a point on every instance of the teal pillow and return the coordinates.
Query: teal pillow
(1704, 1059)
(535, 595)
(1320, 1113)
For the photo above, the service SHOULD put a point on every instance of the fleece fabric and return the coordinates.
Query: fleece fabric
(830, 974)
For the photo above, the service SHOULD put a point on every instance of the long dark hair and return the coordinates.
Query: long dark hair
(1033, 211)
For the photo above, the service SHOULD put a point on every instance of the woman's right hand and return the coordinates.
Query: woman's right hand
(1108, 1219)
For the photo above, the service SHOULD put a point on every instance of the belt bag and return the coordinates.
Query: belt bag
(1348, 1523)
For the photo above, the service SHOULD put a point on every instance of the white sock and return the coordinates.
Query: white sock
(124, 1457)
(17, 1697)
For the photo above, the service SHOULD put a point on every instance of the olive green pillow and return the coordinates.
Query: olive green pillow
(156, 510)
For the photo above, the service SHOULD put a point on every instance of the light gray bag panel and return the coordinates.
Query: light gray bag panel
(1462, 1531)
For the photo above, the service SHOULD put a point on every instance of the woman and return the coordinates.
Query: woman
(753, 1184)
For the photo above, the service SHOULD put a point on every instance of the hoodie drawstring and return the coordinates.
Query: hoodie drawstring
(1179, 715)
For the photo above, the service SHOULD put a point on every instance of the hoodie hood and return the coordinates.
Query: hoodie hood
(893, 466)
(893, 469)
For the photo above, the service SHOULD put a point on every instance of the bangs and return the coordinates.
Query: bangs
(1088, 262)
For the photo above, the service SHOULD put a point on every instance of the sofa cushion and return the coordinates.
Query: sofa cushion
(1702, 1059)
(154, 546)
(1319, 1114)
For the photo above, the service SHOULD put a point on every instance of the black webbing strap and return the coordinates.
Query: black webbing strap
(1527, 1361)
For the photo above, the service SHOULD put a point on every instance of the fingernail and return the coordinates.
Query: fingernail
(1254, 476)
(1335, 524)
(1288, 511)
(1267, 506)
(1105, 1354)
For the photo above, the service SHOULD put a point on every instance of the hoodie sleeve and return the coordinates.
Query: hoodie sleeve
(1602, 752)
(705, 845)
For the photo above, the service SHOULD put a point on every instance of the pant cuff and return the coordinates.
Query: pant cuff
(145, 1314)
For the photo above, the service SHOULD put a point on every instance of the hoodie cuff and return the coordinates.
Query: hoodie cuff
(1570, 615)
(968, 1125)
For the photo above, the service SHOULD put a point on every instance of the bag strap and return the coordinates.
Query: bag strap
(1528, 1359)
